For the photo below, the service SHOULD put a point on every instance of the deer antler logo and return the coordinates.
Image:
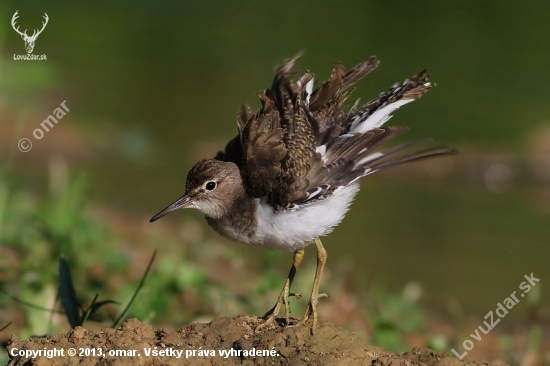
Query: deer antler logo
(29, 40)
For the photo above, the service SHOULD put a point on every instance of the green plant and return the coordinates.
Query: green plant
(393, 315)
(73, 311)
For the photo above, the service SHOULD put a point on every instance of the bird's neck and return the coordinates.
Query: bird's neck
(239, 220)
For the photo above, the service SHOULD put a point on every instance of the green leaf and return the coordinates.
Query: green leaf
(67, 292)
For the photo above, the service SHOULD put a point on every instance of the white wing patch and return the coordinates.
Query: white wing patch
(361, 124)
(309, 87)
(314, 193)
(369, 158)
(321, 149)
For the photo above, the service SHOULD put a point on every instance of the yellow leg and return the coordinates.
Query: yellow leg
(315, 295)
(285, 293)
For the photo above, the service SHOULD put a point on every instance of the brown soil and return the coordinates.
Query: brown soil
(198, 342)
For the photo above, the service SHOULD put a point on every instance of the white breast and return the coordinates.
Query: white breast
(294, 229)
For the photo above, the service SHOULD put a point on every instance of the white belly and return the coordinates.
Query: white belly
(295, 229)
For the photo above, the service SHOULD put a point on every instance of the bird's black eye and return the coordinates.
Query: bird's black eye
(211, 186)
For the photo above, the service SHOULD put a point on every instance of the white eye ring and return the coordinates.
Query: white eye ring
(210, 186)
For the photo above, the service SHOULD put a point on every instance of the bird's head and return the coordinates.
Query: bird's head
(212, 187)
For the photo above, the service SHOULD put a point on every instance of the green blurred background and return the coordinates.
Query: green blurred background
(153, 86)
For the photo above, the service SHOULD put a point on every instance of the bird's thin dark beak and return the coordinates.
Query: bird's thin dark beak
(183, 202)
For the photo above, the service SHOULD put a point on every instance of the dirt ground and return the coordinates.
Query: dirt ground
(224, 341)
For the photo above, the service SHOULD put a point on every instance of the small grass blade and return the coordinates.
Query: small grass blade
(5, 326)
(141, 283)
(30, 305)
(93, 308)
(88, 312)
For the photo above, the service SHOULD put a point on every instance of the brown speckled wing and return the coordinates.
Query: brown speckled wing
(264, 150)
(277, 141)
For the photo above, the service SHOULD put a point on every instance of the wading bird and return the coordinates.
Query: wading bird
(291, 173)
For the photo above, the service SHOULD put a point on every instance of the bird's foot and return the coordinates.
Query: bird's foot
(270, 316)
(315, 295)
(285, 294)
(311, 310)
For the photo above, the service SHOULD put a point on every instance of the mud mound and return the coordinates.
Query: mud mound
(225, 341)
